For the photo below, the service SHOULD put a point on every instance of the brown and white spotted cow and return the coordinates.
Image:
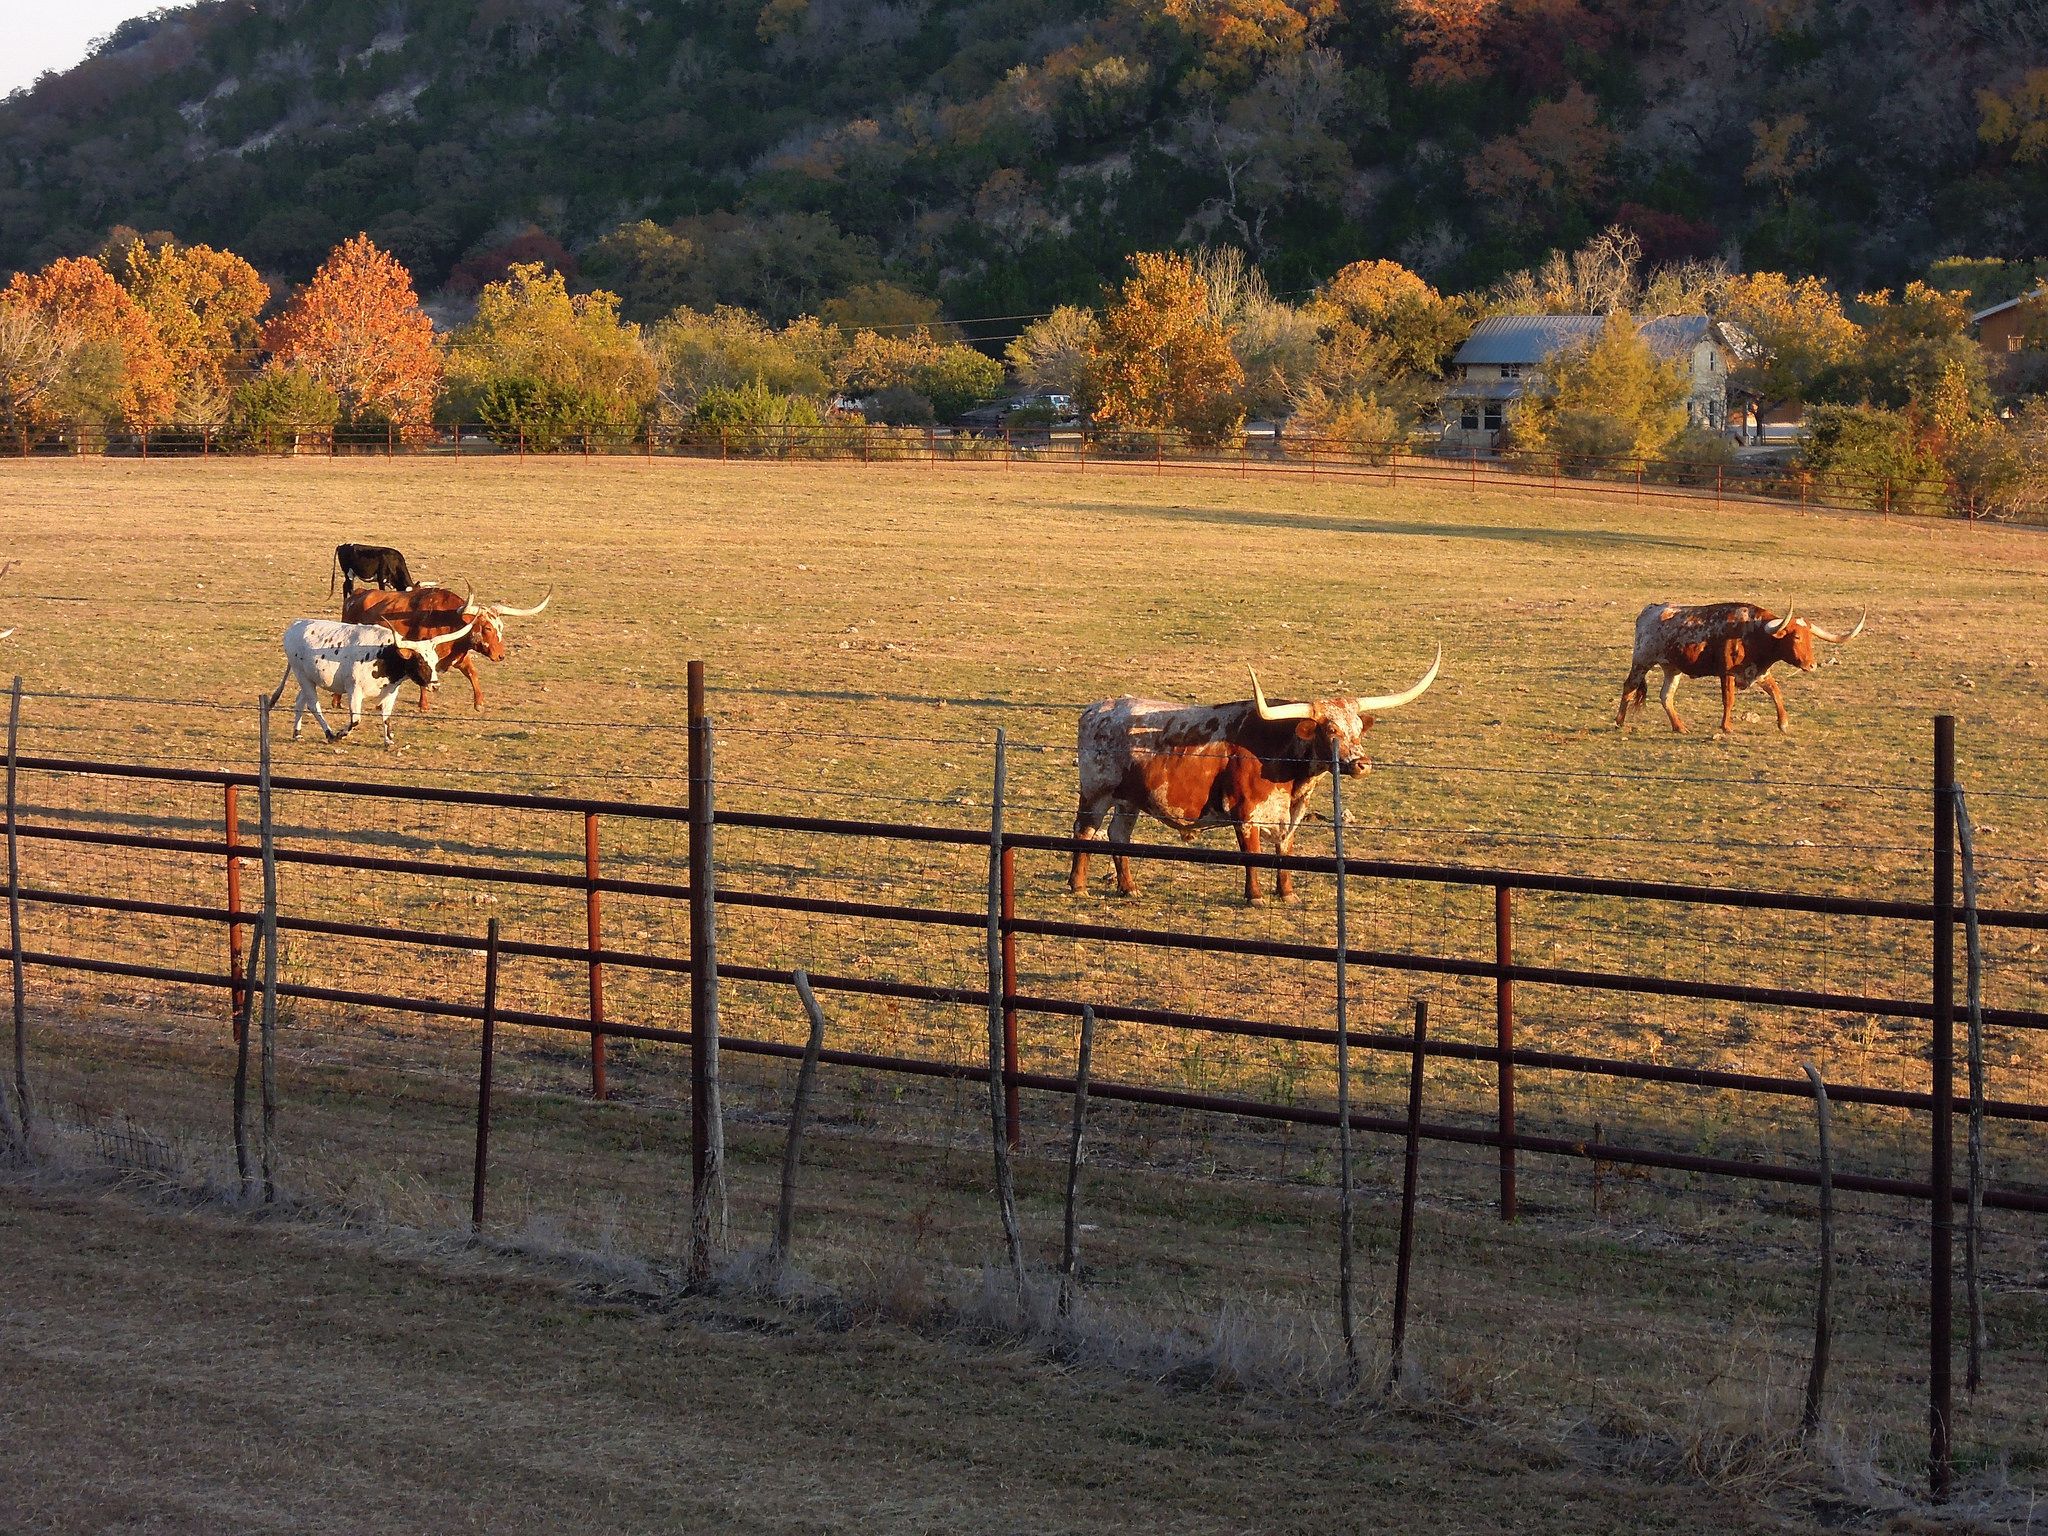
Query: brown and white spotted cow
(1737, 642)
(1251, 766)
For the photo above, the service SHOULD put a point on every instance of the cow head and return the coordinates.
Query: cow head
(1335, 728)
(489, 622)
(1792, 639)
(420, 660)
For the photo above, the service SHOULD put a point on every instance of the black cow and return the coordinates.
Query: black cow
(368, 563)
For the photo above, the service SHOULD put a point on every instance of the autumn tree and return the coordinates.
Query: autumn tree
(945, 378)
(1557, 159)
(1051, 353)
(1237, 37)
(1274, 342)
(85, 348)
(1615, 398)
(730, 348)
(204, 304)
(1908, 342)
(2016, 121)
(1162, 361)
(1794, 332)
(357, 327)
(537, 362)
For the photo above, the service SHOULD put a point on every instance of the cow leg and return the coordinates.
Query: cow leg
(1635, 693)
(1248, 843)
(1770, 686)
(476, 689)
(1283, 880)
(1088, 819)
(1670, 691)
(1121, 825)
(311, 697)
(384, 710)
(1728, 703)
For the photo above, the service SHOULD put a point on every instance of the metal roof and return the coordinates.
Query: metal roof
(1526, 338)
(1999, 309)
(1676, 335)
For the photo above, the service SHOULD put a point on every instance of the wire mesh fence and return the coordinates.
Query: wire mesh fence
(1661, 1135)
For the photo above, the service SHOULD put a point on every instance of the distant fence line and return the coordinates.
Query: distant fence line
(1074, 448)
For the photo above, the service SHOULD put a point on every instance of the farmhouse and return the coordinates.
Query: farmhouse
(1502, 361)
(2005, 327)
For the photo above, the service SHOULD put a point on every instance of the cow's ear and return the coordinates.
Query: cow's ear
(1305, 730)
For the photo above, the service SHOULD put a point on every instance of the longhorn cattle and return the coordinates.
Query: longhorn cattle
(358, 664)
(1737, 642)
(369, 563)
(436, 613)
(1251, 766)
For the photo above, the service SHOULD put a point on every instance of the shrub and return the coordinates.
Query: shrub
(279, 403)
(1870, 456)
(1697, 456)
(754, 419)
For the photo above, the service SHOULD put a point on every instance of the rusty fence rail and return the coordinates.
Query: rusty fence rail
(231, 848)
(1074, 448)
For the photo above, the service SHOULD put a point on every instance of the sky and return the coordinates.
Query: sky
(39, 35)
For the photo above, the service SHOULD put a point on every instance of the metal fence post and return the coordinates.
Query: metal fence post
(1940, 1405)
(593, 924)
(1412, 1157)
(267, 830)
(1823, 1302)
(1012, 1120)
(1973, 1157)
(1504, 1030)
(707, 1133)
(1346, 1220)
(24, 1106)
(1070, 1246)
(231, 818)
(1006, 1191)
(486, 1048)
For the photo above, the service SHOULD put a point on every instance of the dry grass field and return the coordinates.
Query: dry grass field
(867, 631)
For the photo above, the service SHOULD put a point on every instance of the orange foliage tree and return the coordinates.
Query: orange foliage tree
(1160, 360)
(204, 304)
(1559, 156)
(1237, 36)
(357, 328)
(113, 368)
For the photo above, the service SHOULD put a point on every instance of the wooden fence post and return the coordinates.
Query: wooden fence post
(1346, 1229)
(1412, 1157)
(594, 928)
(20, 1123)
(799, 1111)
(1070, 1247)
(1823, 1322)
(1006, 1189)
(486, 1049)
(707, 1115)
(1941, 1228)
(267, 831)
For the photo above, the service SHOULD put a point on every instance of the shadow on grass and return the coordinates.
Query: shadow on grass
(1324, 522)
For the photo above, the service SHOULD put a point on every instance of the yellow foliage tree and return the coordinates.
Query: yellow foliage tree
(1795, 328)
(204, 304)
(1615, 398)
(1161, 361)
(2017, 120)
(1380, 320)
(357, 327)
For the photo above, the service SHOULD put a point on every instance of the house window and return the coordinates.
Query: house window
(1469, 419)
(1493, 415)
(2012, 342)
(1511, 370)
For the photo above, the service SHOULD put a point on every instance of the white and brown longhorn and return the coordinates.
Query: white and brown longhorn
(358, 664)
(1737, 642)
(1251, 766)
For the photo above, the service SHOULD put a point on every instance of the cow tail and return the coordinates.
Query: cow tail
(333, 570)
(280, 685)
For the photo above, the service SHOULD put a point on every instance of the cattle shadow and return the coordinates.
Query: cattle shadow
(1328, 522)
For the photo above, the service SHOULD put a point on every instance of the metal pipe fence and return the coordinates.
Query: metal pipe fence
(346, 867)
(1391, 463)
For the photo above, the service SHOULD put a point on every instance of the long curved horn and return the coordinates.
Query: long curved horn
(469, 607)
(4, 633)
(1280, 712)
(499, 610)
(1834, 639)
(1779, 626)
(1407, 696)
